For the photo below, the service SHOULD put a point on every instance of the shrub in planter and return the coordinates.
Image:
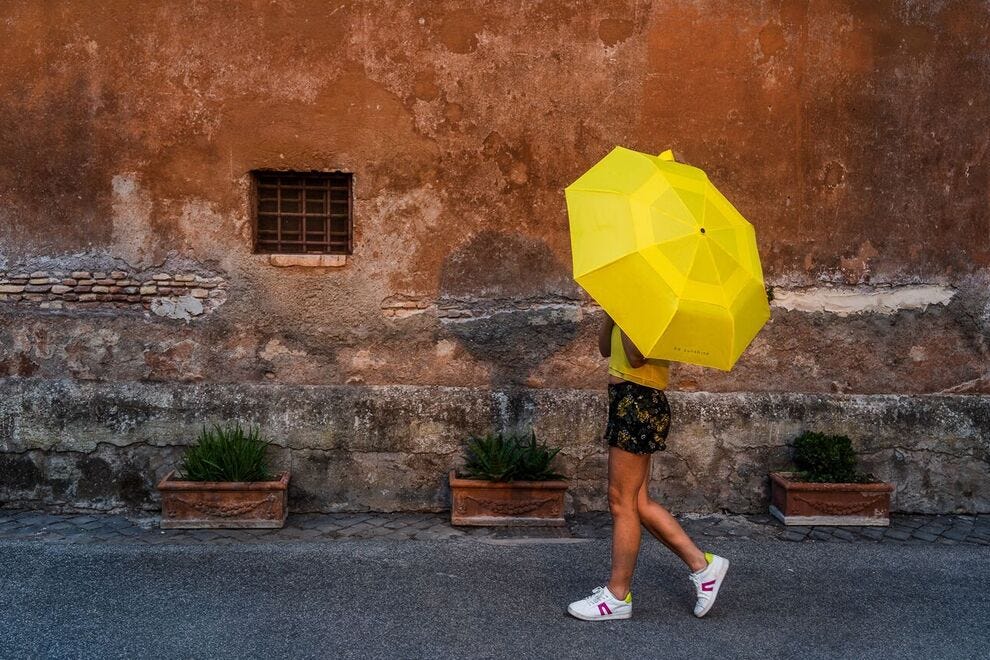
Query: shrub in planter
(822, 458)
(224, 481)
(507, 480)
(826, 488)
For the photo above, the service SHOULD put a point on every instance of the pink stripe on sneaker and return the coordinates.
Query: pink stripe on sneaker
(603, 609)
(708, 586)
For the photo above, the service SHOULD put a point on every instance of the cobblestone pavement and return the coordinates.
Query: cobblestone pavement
(24, 525)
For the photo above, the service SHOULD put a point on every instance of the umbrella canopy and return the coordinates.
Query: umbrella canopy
(668, 257)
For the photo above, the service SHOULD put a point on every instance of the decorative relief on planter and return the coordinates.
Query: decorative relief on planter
(213, 504)
(800, 503)
(504, 508)
(864, 506)
(530, 503)
(226, 509)
(181, 295)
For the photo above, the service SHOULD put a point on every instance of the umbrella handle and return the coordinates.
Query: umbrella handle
(668, 155)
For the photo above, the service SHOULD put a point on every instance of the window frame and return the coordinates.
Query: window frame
(326, 176)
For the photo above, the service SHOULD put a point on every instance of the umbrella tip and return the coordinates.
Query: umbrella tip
(668, 155)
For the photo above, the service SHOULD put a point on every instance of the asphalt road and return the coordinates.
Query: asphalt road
(466, 598)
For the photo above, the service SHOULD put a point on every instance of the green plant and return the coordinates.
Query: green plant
(226, 453)
(512, 457)
(822, 458)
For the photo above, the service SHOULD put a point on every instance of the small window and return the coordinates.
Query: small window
(303, 212)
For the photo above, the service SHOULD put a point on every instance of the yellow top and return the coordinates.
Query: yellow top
(655, 373)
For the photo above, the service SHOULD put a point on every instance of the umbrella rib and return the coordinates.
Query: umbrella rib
(681, 274)
(704, 210)
(598, 190)
(660, 336)
(604, 265)
(667, 214)
(730, 256)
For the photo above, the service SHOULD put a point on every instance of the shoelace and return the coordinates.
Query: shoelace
(597, 594)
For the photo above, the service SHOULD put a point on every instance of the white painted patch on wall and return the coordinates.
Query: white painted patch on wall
(844, 301)
(183, 308)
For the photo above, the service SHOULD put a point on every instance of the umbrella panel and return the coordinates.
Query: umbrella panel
(596, 238)
(621, 172)
(699, 333)
(641, 303)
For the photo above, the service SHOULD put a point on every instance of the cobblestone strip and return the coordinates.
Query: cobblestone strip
(911, 529)
(20, 525)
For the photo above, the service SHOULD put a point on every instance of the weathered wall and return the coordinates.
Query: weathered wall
(852, 135)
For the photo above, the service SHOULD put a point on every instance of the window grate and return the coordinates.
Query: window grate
(303, 212)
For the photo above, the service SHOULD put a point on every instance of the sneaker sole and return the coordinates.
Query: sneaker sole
(603, 617)
(720, 575)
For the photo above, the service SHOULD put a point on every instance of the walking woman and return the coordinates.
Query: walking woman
(638, 423)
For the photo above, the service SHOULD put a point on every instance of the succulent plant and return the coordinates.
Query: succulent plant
(226, 453)
(509, 457)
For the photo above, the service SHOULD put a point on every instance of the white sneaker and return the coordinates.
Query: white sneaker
(601, 605)
(707, 583)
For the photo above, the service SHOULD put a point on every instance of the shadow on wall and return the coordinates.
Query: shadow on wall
(509, 302)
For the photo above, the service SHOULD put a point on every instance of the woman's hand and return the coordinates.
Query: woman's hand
(636, 359)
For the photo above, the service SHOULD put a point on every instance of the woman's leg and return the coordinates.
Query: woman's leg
(626, 473)
(658, 522)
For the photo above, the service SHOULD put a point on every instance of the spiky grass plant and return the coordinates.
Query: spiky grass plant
(227, 453)
(500, 457)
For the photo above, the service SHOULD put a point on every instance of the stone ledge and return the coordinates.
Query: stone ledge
(308, 260)
(388, 448)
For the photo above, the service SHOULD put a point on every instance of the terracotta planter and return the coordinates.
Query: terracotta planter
(223, 504)
(801, 503)
(529, 503)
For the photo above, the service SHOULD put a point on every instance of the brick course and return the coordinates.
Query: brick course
(80, 289)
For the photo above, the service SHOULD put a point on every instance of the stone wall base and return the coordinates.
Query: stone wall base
(89, 445)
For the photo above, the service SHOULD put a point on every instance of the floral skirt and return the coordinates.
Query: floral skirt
(638, 418)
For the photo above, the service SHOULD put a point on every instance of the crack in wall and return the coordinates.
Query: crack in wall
(453, 310)
(841, 301)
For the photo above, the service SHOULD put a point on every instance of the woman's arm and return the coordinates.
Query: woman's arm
(636, 359)
(605, 336)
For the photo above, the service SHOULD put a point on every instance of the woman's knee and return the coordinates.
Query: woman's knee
(621, 502)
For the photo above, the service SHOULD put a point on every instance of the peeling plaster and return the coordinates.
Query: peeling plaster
(132, 231)
(275, 349)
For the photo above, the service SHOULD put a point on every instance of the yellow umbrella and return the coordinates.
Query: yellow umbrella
(668, 257)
